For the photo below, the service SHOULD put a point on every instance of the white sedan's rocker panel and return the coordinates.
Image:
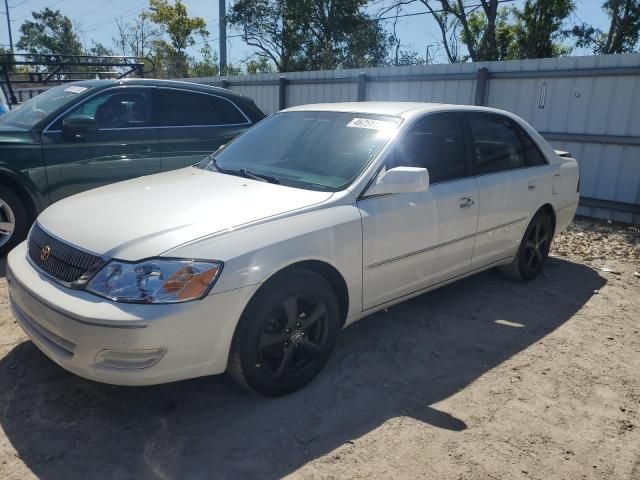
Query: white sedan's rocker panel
(378, 250)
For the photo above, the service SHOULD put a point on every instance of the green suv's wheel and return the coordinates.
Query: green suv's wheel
(286, 334)
(533, 250)
(13, 220)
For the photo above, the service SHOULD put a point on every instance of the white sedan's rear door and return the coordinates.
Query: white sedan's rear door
(510, 172)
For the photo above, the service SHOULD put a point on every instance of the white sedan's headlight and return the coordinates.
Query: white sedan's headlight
(159, 280)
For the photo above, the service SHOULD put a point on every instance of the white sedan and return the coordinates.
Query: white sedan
(251, 261)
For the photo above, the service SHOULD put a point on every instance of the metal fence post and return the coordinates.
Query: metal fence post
(282, 93)
(362, 87)
(482, 81)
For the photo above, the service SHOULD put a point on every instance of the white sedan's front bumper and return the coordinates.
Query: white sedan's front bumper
(150, 343)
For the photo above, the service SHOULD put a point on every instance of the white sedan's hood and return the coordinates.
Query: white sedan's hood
(149, 215)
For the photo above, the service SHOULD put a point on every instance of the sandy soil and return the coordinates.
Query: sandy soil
(483, 379)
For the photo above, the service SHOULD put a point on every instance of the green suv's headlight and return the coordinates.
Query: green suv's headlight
(158, 280)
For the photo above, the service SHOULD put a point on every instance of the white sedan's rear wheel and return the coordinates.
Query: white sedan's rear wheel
(533, 251)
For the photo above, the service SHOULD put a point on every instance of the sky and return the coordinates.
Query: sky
(96, 20)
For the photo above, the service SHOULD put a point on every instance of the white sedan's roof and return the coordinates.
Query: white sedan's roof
(382, 108)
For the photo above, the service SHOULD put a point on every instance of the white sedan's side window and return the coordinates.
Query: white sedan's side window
(437, 143)
(496, 144)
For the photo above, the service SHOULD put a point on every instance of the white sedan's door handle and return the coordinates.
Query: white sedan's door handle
(466, 202)
(532, 186)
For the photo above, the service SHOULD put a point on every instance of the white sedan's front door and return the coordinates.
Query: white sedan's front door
(414, 240)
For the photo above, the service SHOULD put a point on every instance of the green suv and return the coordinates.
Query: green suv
(86, 134)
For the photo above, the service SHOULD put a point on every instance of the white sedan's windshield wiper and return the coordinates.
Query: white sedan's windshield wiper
(259, 176)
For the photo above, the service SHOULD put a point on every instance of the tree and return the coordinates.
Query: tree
(261, 65)
(340, 34)
(479, 31)
(310, 34)
(272, 27)
(49, 32)
(135, 38)
(7, 55)
(207, 66)
(475, 22)
(537, 27)
(99, 50)
(174, 22)
(623, 33)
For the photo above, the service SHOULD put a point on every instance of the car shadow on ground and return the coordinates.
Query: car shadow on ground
(394, 363)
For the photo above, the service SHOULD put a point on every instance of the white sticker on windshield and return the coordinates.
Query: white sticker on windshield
(75, 89)
(371, 124)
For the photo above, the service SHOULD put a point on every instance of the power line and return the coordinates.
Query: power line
(127, 13)
(94, 9)
(18, 4)
(29, 14)
(391, 17)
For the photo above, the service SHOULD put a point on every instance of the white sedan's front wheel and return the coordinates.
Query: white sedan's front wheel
(285, 334)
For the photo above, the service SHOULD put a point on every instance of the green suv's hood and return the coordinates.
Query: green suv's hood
(13, 135)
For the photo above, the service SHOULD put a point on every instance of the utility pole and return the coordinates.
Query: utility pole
(222, 23)
(6, 7)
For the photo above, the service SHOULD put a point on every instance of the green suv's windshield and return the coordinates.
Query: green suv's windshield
(313, 150)
(41, 106)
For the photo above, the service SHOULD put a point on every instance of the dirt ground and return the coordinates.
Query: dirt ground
(483, 379)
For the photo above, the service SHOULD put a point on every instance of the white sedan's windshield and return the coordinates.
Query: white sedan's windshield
(314, 150)
(39, 107)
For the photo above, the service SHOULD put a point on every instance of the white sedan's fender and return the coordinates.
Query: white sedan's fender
(253, 254)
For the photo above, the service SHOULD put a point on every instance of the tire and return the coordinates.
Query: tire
(533, 250)
(14, 221)
(286, 334)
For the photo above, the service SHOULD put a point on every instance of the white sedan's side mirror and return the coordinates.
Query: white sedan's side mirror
(400, 180)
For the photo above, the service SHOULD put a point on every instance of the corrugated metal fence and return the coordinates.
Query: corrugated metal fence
(589, 106)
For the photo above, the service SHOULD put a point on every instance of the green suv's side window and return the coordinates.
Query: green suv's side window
(118, 108)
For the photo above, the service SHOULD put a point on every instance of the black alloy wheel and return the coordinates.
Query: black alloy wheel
(533, 251)
(285, 334)
(294, 335)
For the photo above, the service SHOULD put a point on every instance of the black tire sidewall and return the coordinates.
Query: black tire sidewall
(255, 316)
(21, 218)
(531, 273)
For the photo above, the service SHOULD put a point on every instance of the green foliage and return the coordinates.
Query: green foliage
(175, 22)
(180, 29)
(231, 69)
(99, 50)
(272, 27)
(135, 38)
(534, 31)
(6, 55)
(311, 34)
(339, 34)
(409, 57)
(49, 32)
(624, 29)
(259, 65)
(537, 27)
(207, 66)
